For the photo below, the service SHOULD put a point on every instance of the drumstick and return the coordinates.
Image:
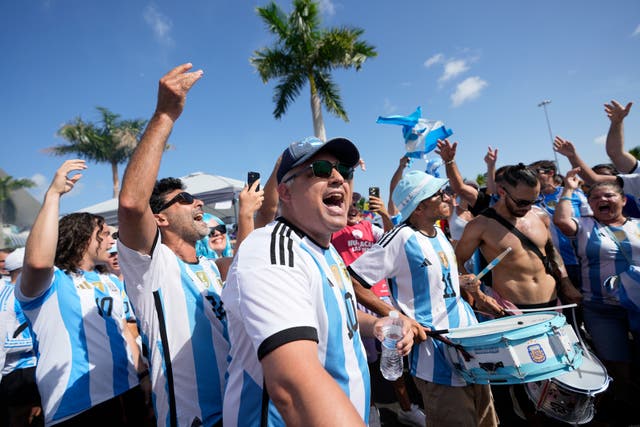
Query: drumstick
(493, 263)
(529, 310)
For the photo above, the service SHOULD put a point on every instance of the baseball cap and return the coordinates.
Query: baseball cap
(301, 151)
(14, 260)
(413, 188)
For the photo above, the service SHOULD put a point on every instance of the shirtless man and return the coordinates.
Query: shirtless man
(521, 279)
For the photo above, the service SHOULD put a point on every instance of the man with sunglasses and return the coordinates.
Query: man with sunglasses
(297, 356)
(522, 280)
(174, 292)
(419, 260)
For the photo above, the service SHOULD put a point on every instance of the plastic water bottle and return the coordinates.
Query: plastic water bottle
(390, 359)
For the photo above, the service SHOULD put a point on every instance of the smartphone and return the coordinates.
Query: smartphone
(252, 177)
(374, 191)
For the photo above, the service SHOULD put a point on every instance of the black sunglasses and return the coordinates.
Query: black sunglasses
(220, 228)
(521, 203)
(183, 198)
(323, 168)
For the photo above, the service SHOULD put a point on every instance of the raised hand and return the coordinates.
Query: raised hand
(446, 150)
(63, 183)
(491, 157)
(564, 147)
(616, 112)
(173, 89)
(571, 180)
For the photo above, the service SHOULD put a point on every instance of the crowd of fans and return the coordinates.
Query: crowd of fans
(167, 321)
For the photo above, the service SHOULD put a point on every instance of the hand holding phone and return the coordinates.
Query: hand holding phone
(252, 177)
(374, 191)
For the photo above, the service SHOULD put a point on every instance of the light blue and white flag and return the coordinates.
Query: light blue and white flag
(420, 135)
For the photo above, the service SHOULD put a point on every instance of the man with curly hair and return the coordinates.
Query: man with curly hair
(86, 353)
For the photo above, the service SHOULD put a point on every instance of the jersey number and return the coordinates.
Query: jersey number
(449, 292)
(352, 316)
(105, 305)
(216, 305)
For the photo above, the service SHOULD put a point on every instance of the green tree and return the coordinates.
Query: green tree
(635, 152)
(110, 141)
(8, 185)
(481, 179)
(303, 53)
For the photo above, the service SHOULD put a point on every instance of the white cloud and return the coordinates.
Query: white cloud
(41, 186)
(327, 7)
(160, 25)
(435, 59)
(469, 89)
(453, 68)
(600, 140)
(636, 32)
(388, 107)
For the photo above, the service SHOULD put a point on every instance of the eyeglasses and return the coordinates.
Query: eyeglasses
(544, 171)
(323, 168)
(521, 203)
(183, 198)
(220, 228)
(440, 193)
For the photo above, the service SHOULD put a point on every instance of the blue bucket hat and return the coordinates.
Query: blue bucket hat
(300, 151)
(413, 188)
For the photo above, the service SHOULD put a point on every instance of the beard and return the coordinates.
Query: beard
(517, 212)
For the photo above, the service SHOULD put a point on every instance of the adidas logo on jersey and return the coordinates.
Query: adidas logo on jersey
(425, 263)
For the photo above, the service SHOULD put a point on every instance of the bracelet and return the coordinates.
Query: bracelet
(449, 162)
(143, 374)
(565, 198)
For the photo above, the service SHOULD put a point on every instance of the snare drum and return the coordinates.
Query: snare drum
(570, 396)
(516, 349)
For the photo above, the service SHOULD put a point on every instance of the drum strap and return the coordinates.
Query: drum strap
(526, 242)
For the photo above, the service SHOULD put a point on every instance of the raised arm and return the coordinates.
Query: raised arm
(490, 159)
(395, 179)
(447, 151)
(269, 208)
(250, 201)
(567, 149)
(136, 221)
(40, 250)
(376, 205)
(563, 215)
(622, 159)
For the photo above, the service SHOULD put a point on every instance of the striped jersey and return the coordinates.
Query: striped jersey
(600, 256)
(580, 207)
(182, 323)
(83, 358)
(18, 345)
(283, 287)
(423, 275)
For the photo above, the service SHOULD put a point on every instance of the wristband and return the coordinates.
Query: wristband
(449, 162)
(565, 198)
(143, 374)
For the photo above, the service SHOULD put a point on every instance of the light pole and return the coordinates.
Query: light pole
(544, 104)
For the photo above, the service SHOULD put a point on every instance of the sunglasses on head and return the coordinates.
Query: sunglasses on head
(521, 203)
(220, 228)
(323, 169)
(183, 198)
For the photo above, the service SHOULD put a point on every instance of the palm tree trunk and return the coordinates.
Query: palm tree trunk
(116, 180)
(316, 112)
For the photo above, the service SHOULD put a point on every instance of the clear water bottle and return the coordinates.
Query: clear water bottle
(390, 359)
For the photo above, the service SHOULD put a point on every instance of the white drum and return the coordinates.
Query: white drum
(570, 397)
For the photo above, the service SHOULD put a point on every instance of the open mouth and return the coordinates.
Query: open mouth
(605, 209)
(198, 217)
(336, 200)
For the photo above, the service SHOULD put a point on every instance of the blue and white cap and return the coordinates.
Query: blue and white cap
(413, 188)
(301, 151)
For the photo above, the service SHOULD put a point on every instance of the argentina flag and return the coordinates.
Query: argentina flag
(420, 135)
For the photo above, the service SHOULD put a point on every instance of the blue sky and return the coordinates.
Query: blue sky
(481, 67)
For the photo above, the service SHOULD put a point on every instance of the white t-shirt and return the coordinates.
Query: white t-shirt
(423, 275)
(83, 357)
(283, 287)
(183, 324)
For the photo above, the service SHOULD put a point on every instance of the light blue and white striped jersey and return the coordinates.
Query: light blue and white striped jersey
(423, 275)
(83, 358)
(18, 344)
(183, 324)
(600, 256)
(580, 207)
(283, 287)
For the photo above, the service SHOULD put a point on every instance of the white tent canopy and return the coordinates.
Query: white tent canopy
(219, 194)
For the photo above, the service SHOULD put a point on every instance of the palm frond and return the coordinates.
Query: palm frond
(286, 92)
(330, 95)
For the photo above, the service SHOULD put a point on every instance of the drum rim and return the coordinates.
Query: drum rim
(552, 316)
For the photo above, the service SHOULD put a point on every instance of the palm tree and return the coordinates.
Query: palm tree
(8, 185)
(111, 141)
(303, 53)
